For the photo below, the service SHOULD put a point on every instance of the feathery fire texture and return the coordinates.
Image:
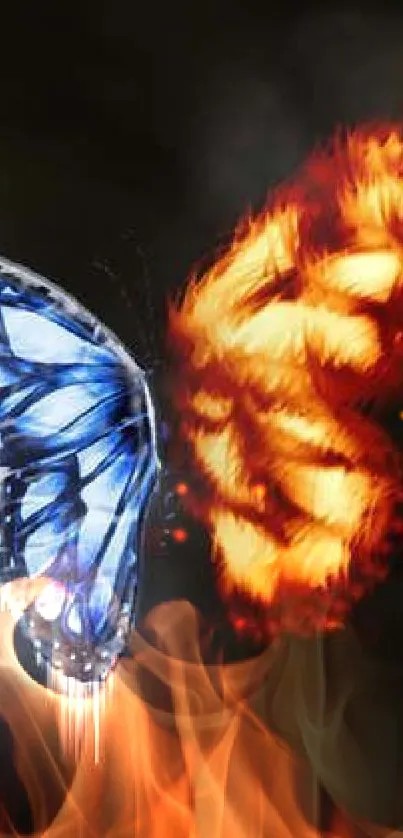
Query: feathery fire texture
(288, 353)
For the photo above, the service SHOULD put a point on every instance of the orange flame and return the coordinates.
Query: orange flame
(161, 773)
(184, 750)
(288, 352)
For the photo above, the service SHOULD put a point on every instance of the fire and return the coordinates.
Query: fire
(182, 749)
(289, 352)
(170, 771)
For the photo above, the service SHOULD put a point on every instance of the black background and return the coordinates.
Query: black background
(133, 136)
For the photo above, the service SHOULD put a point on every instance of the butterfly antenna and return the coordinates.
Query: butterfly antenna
(151, 308)
(105, 267)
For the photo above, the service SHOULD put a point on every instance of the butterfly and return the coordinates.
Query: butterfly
(78, 463)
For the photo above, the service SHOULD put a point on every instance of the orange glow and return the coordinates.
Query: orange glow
(194, 758)
(259, 492)
(280, 349)
(202, 763)
(181, 489)
(179, 535)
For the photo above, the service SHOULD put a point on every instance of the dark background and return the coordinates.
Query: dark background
(133, 136)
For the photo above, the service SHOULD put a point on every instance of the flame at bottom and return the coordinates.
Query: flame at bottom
(169, 747)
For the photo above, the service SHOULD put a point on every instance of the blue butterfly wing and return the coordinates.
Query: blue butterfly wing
(78, 461)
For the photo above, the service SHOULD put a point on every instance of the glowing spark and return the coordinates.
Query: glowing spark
(179, 535)
(181, 489)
